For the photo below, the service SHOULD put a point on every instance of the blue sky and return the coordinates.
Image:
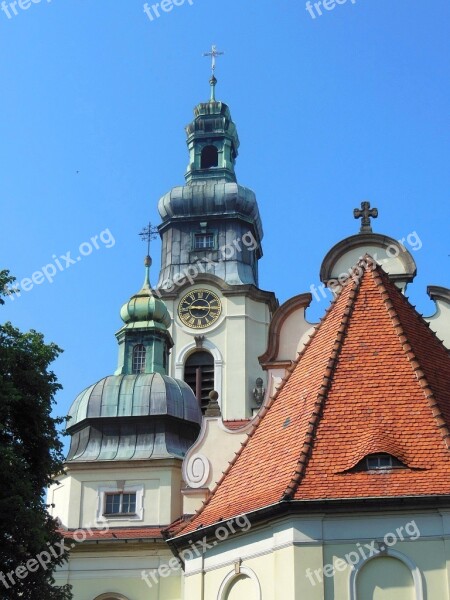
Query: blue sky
(332, 110)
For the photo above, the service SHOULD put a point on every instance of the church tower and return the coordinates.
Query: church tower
(211, 235)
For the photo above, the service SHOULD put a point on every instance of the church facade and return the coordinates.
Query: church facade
(240, 451)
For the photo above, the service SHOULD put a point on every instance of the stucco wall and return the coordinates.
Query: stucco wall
(76, 499)
(298, 559)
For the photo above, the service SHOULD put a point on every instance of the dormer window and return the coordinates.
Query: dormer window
(379, 462)
(139, 359)
(210, 157)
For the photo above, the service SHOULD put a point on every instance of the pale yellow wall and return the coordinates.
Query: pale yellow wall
(207, 459)
(241, 587)
(240, 336)
(391, 264)
(76, 498)
(294, 334)
(385, 578)
(279, 556)
(274, 559)
(440, 322)
(60, 496)
(93, 573)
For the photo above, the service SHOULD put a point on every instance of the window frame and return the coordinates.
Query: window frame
(197, 234)
(105, 490)
(393, 462)
(139, 351)
(121, 495)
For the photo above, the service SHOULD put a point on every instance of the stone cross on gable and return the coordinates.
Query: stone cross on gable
(365, 213)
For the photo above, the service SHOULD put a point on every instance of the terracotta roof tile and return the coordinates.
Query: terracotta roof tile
(122, 533)
(372, 378)
(236, 423)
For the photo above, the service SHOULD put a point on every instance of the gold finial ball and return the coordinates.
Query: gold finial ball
(148, 261)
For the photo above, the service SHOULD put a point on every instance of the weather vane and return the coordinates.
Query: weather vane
(213, 53)
(148, 234)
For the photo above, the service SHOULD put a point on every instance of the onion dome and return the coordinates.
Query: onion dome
(145, 307)
(200, 218)
(139, 412)
(211, 199)
(132, 417)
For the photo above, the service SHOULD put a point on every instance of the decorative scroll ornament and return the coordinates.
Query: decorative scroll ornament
(198, 469)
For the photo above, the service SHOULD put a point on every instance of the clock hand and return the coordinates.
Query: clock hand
(199, 307)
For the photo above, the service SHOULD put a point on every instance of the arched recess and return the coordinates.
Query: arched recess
(232, 577)
(209, 157)
(199, 375)
(389, 552)
(111, 596)
(218, 363)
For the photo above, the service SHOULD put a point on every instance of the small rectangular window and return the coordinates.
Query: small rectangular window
(120, 503)
(379, 461)
(203, 241)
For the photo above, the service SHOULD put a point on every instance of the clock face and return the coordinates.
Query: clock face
(199, 309)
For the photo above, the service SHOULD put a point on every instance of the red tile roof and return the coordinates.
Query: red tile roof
(122, 533)
(373, 378)
(236, 423)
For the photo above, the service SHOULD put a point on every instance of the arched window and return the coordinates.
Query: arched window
(210, 157)
(111, 597)
(139, 359)
(199, 375)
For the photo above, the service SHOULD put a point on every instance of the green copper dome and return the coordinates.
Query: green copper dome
(133, 417)
(145, 307)
(139, 412)
(144, 340)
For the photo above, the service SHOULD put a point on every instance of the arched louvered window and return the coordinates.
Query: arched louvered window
(210, 157)
(139, 359)
(199, 375)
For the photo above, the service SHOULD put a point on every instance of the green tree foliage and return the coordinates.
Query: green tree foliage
(30, 455)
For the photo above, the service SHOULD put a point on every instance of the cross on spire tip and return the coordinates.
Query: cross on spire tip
(213, 53)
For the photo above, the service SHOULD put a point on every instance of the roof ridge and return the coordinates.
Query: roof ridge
(263, 412)
(314, 420)
(380, 280)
